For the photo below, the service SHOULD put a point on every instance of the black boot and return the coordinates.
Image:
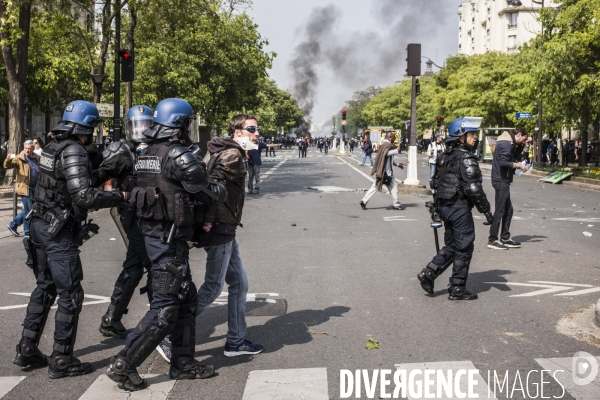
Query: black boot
(63, 365)
(127, 377)
(111, 324)
(458, 290)
(29, 356)
(427, 277)
(189, 368)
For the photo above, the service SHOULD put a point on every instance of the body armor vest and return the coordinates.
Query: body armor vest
(51, 188)
(159, 200)
(448, 180)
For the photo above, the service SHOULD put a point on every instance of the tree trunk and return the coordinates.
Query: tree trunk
(16, 72)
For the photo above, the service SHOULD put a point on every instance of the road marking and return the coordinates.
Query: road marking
(562, 369)
(550, 287)
(481, 388)
(305, 384)
(579, 292)
(98, 300)
(103, 388)
(357, 170)
(7, 383)
(571, 219)
(561, 283)
(250, 297)
(397, 218)
(272, 170)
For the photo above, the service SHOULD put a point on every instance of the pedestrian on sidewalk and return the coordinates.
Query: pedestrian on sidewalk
(384, 173)
(367, 148)
(433, 151)
(507, 158)
(27, 169)
(255, 162)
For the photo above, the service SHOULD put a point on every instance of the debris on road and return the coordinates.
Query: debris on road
(587, 234)
(316, 333)
(372, 344)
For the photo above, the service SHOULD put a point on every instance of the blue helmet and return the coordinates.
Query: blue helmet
(138, 119)
(80, 118)
(460, 126)
(170, 116)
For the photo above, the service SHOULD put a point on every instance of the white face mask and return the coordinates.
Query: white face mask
(245, 143)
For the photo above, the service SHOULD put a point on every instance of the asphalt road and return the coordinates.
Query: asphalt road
(328, 276)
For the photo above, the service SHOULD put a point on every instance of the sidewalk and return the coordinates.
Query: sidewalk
(6, 215)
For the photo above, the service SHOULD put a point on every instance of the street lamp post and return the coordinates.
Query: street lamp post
(98, 79)
(538, 154)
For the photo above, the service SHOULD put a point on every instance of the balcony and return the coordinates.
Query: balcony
(512, 26)
(511, 49)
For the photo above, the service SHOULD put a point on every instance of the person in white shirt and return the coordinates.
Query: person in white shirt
(434, 149)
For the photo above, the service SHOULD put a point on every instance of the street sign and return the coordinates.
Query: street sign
(343, 122)
(107, 110)
(521, 115)
(408, 123)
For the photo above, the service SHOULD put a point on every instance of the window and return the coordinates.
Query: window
(512, 20)
(512, 42)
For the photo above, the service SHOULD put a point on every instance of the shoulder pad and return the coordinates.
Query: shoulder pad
(182, 157)
(74, 149)
(116, 149)
(468, 154)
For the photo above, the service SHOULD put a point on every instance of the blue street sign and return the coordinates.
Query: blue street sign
(407, 123)
(521, 115)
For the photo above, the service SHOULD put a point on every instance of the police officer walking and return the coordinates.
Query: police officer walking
(457, 186)
(63, 196)
(171, 184)
(118, 161)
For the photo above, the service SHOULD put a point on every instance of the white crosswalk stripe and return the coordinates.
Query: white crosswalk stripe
(7, 383)
(301, 384)
(563, 368)
(103, 387)
(443, 379)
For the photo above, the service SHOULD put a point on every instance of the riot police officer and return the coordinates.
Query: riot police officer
(63, 196)
(118, 160)
(170, 198)
(457, 186)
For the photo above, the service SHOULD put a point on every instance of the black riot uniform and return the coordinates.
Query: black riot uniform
(458, 187)
(170, 198)
(118, 163)
(62, 197)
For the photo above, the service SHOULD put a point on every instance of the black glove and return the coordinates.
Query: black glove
(86, 232)
(490, 218)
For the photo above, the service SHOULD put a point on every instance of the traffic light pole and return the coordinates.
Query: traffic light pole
(411, 174)
(117, 103)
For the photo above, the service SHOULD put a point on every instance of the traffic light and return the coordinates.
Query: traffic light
(126, 65)
(418, 87)
(343, 115)
(440, 121)
(413, 60)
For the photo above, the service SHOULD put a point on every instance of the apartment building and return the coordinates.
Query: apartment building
(497, 25)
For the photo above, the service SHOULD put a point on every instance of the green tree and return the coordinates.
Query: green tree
(355, 106)
(276, 109)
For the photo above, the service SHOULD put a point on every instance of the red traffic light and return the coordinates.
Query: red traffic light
(125, 54)
(439, 118)
(343, 111)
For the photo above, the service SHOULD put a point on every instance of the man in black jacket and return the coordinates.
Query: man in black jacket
(507, 156)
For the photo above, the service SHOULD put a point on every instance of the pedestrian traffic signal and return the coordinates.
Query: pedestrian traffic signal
(126, 65)
(418, 87)
(413, 59)
(440, 120)
(343, 115)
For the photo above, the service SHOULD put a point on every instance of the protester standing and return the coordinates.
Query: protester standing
(27, 169)
(38, 143)
(433, 151)
(507, 159)
(367, 148)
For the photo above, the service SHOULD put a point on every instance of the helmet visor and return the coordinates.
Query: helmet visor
(135, 127)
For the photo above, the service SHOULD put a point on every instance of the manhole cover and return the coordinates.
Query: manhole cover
(330, 189)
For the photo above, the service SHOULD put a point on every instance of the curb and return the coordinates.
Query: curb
(597, 312)
(5, 194)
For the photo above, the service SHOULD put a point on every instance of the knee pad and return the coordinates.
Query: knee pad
(167, 315)
(170, 280)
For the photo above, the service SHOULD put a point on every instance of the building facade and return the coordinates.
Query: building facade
(497, 25)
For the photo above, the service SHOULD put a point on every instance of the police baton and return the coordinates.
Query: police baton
(435, 223)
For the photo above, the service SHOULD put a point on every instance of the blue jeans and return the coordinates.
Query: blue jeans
(224, 264)
(365, 155)
(431, 173)
(20, 218)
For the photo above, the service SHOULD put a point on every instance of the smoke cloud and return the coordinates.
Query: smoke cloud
(367, 55)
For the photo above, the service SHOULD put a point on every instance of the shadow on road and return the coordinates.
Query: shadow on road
(285, 330)
(530, 239)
